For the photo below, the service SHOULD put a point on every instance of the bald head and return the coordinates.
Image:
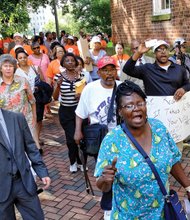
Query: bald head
(134, 45)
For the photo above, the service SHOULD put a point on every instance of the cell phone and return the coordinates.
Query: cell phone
(150, 43)
(40, 191)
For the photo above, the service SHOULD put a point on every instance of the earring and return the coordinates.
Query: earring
(146, 119)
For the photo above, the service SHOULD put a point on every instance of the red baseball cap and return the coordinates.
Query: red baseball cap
(104, 61)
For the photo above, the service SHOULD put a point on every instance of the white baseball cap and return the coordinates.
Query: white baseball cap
(159, 43)
(70, 37)
(18, 46)
(96, 39)
(179, 41)
(17, 35)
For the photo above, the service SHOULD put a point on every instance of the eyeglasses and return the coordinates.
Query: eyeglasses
(131, 107)
(134, 48)
(7, 66)
(60, 51)
(161, 50)
(113, 71)
(34, 48)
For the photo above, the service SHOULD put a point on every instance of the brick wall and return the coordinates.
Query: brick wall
(131, 19)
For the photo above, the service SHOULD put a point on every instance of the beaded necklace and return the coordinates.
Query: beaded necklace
(71, 80)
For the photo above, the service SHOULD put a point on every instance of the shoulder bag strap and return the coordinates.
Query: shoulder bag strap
(36, 72)
(111, 108)
(146, 157)
(41, 59)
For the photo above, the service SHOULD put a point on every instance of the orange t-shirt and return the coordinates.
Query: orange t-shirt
(4, 44)
(26, 47)
(72, 49)
(120, 58)
(53, 68)
(43, 49)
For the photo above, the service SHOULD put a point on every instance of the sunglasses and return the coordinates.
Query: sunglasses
(34, 48)
(134, 48)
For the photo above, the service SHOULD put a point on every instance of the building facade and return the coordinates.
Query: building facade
(39, 19)
(143, 19)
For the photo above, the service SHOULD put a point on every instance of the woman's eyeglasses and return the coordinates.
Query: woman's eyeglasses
(60, 51)
(131, 107)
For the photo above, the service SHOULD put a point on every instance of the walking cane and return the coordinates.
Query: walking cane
(87, 181)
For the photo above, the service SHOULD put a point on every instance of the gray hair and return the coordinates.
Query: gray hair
(7, 58)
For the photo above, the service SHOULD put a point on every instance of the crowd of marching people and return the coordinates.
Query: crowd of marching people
(109, 92)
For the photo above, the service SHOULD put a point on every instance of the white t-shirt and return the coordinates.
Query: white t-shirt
(94, 104)
(95, 59)
(30, 76)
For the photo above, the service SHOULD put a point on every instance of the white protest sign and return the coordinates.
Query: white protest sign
(84, 52)
(175, 115)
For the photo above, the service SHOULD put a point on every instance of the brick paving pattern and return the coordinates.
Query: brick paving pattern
(67, 198)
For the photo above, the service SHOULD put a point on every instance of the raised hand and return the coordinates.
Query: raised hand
(142, 48)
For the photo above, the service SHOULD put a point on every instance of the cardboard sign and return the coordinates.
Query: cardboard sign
(175, 115)
(84, 52)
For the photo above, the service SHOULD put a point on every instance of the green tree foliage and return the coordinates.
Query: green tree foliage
(14, 15)
(13, 18)
(91, 16)
(66, 22)
(94, 15)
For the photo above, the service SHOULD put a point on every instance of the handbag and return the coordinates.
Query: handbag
(94, 134)
(173, 209)
(43, 91)
(79, 86)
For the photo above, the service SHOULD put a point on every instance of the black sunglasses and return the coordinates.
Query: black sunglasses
(34, 48)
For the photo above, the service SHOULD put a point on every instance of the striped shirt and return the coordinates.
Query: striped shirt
(67, 90)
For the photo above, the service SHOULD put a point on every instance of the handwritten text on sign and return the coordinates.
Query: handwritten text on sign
(174, 115)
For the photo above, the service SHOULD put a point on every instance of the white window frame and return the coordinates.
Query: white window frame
(157, 8)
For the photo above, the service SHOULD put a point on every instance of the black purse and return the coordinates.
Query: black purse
(94, 134)
(43, 91)
(173, 209)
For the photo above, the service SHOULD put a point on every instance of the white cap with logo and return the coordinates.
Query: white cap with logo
(159, 43)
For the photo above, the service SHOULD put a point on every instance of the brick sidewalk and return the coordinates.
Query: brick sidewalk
(67, 197)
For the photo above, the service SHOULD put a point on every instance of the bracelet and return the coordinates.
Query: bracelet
(187, 189)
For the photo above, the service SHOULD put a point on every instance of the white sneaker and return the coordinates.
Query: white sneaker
(107, 215)
(81, 167)
(73, 168)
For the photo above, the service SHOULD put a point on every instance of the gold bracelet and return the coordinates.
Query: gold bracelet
(187, 189)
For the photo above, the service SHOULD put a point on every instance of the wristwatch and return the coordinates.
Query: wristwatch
(187, 189)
